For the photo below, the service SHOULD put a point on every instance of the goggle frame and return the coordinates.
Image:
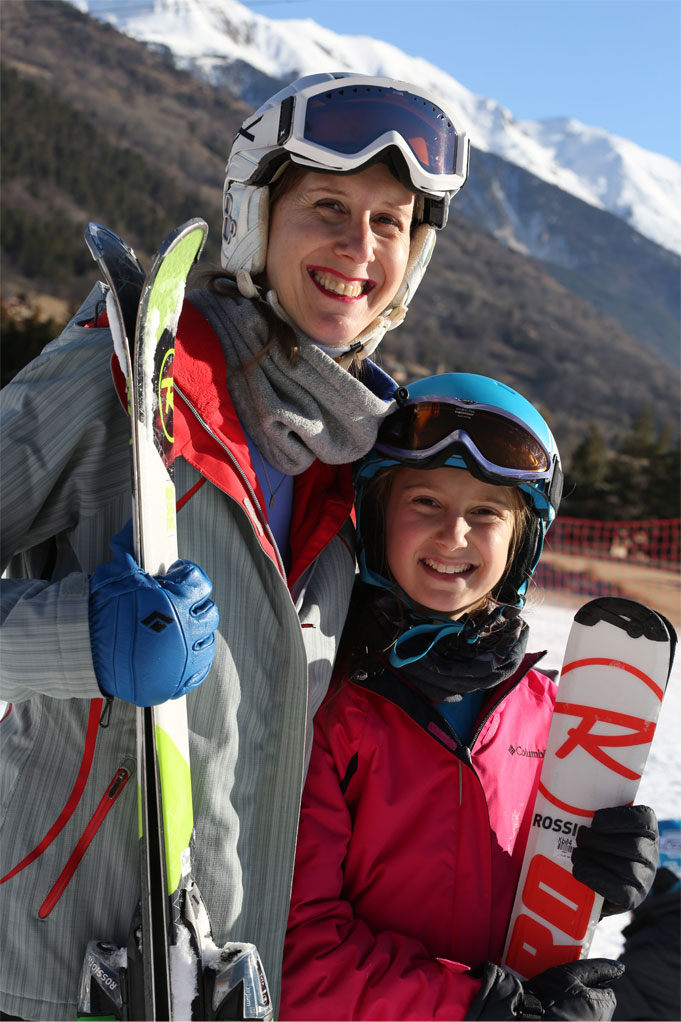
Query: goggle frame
(291, 136)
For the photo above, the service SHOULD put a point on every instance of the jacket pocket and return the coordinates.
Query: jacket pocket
(106, 803)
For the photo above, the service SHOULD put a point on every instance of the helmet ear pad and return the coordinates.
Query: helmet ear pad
(371, 527)
(246, 214)
(420, 250)
(511, 591)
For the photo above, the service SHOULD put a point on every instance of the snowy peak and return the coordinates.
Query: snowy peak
(227, 43)
(641, 187)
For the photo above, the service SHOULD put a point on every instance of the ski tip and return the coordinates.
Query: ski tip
(634, 618)
(194, 225)
(107, 248)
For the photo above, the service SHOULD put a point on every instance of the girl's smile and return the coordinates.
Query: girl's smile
(448, 536)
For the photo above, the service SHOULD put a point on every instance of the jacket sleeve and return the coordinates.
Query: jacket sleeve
(59, 455)
(335, 967)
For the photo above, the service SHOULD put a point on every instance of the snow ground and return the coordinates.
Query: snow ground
(661, 783)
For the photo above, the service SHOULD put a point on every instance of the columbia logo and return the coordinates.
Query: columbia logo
(520, 750)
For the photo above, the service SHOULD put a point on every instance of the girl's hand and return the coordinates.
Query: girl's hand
(576, 990)
(617, 856)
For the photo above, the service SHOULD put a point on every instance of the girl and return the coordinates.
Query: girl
(334, 190)
(417, 804)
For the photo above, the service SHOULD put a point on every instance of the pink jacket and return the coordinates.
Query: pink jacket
(409, 848)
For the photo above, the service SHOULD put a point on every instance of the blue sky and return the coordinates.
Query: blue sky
(615, 64)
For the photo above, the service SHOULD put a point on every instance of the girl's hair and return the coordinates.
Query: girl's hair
(374, 503)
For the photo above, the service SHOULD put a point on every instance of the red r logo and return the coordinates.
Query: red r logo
(635, 730)
(641, 733)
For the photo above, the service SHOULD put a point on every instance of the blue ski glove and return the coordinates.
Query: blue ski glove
(617, 856)
(152, 638)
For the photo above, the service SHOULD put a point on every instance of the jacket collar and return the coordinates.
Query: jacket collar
(375, 673)
(208, 434)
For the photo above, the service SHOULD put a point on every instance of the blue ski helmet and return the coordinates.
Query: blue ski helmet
(482, 425)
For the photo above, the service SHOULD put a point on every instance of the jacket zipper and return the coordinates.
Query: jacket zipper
(116, 786)
(528, 662)
(75, 795)
(262, 517)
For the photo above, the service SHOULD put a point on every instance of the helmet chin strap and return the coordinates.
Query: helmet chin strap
(363, 345)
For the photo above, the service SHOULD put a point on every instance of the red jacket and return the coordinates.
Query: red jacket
(409, 848)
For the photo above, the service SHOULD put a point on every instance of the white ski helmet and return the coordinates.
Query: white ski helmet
(343, 122)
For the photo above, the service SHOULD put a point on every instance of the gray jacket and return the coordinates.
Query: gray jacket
(66, 492)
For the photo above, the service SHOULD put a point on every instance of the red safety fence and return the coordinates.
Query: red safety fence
(656, 543)
(638, 559)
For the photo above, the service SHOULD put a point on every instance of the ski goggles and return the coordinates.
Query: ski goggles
(426, 433)
(344, 127)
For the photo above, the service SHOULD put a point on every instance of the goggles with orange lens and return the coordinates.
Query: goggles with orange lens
(490, 442)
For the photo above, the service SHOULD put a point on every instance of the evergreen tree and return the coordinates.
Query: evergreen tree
(585, 491)
(640, 479)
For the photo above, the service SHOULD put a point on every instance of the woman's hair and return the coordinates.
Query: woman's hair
(373, 524)
(222, 283)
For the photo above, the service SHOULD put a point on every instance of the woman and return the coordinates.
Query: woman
(334, 190)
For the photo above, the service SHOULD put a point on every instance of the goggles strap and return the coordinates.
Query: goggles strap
(429, 633)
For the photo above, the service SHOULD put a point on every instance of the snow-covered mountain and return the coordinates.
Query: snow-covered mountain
(227, 43)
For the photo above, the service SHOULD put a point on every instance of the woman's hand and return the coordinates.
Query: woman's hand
(152, 638)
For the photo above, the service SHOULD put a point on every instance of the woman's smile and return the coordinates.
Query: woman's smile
(338, 250)
(336, 285)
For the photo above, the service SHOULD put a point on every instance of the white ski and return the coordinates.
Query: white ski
(613, 680)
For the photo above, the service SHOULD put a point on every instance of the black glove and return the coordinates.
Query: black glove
(617, 856)
(577, 990)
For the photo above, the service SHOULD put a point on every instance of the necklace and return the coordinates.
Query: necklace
(273, 492)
